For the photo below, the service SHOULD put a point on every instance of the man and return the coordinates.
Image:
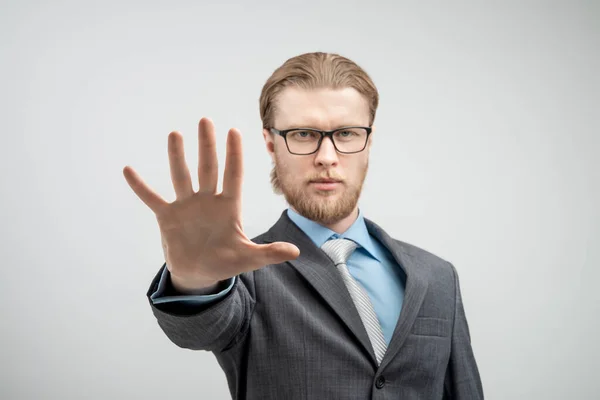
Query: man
(324, 305)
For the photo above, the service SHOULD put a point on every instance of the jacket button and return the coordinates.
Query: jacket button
(380, 382)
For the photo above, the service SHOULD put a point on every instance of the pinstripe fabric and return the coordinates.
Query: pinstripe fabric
(339, 250)
(288, 330)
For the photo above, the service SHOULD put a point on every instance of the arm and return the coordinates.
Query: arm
(462, 376)
(214, 326)
(204, 244)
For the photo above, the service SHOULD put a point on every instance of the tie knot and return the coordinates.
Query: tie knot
(339, 250)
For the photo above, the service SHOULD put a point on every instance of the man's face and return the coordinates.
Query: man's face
(295, 175)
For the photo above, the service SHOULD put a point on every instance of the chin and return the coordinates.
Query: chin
(328, 194)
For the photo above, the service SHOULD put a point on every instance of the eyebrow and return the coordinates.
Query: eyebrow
(310, 126)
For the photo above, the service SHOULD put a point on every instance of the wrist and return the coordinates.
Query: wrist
(188, 287)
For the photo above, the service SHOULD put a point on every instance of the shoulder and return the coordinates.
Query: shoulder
(409, 249)
(260, 239)
(426, 261)
(421, 254)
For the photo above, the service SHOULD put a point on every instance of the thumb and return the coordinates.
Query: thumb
(278, 252)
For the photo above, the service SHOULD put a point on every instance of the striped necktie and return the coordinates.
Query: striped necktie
(339, 250)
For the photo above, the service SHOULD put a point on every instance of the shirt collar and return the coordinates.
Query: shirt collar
(319, 234)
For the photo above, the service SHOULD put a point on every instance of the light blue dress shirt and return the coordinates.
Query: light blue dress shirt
(371, 264)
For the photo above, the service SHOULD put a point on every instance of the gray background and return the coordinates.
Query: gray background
(486, 154)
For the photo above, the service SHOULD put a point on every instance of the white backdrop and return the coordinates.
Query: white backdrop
(486, 154)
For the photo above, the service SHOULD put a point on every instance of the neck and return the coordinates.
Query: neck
(342, 225)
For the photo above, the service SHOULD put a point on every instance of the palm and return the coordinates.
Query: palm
(201, 232)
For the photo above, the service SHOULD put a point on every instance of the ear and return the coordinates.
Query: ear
(371, 138)
(269, 142)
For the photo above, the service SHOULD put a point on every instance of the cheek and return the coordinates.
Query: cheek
(356, 171)
(294, 170)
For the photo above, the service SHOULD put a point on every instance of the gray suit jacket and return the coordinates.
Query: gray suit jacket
(291, 331)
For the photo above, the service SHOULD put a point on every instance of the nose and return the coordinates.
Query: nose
(326, 155)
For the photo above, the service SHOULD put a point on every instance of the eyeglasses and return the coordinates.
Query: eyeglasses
(304, 141)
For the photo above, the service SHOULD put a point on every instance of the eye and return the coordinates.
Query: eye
(303, 135)
(347, 134)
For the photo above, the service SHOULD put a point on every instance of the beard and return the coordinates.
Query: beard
(320, 207)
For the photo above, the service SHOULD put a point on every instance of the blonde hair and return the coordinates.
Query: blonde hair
(316, 71)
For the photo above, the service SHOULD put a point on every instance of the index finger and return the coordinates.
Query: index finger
(234, 169)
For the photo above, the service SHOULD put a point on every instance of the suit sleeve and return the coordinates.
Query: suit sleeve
(462, 380)
(165, 292)
(214, 326)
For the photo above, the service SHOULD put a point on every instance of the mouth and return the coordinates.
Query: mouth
(325, 184)
(325, 181)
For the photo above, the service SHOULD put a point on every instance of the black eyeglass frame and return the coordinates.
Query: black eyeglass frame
(328, 134)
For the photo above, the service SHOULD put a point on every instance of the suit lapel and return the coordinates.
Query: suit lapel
(414, 292)
(318, 269)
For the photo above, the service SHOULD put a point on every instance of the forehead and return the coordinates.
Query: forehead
(320, 108)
